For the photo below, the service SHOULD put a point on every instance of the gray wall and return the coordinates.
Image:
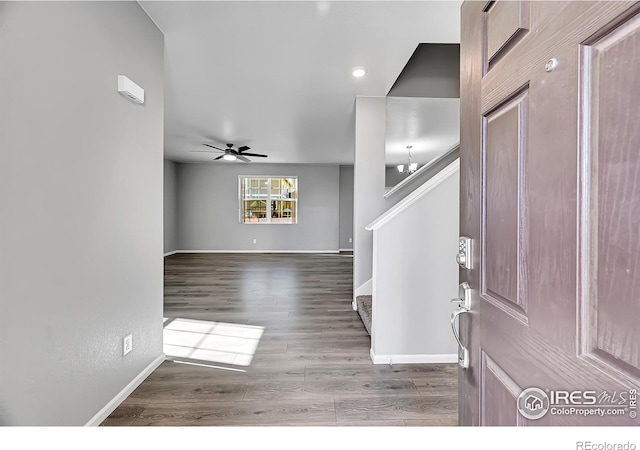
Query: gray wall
(81, 202)
(346, 207)
(208, 209)
(432, 71)
(170, 207)
(369, 180)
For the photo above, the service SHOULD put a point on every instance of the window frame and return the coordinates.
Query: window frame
(269, 200)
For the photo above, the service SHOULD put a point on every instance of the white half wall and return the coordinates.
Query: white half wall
(415, 276)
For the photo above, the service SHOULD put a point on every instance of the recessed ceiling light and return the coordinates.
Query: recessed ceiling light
(229, 157)
(359, 72)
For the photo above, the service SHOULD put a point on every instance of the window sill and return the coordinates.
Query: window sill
(267, 223)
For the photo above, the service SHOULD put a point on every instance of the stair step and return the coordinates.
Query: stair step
(363, 305)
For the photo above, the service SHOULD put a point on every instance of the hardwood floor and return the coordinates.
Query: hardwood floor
(311, 366)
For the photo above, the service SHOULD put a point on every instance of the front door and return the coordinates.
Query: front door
(550, 197)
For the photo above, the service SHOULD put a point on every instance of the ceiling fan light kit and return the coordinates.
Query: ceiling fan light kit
(231, 154)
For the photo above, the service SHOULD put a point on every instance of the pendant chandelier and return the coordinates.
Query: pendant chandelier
(411, 167)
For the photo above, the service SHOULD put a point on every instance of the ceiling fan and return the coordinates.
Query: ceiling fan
(230, 154)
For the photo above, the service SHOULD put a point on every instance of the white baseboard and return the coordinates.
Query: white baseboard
(365, 289)
(414, 359)
(170, 253)
(124, 393)
(257, 251)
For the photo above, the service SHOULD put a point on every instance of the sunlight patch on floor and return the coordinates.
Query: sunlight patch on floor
(219, 342)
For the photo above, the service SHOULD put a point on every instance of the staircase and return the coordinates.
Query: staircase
(363, 305)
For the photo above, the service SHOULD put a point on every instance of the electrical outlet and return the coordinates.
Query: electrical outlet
(127, 344)
(350, 239)
(255, 241)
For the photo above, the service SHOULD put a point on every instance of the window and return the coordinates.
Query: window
(269, 200)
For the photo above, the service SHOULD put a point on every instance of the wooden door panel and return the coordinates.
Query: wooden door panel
(551, 193)
(611, 178)
(498, 395)
(506, 23)
(530, 361)
(505, 138)
(553, 151)
(531, 53)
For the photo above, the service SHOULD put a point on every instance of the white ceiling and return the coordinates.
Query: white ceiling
(277, 75)
(430, 125)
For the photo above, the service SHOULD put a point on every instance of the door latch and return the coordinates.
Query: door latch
(464, 306)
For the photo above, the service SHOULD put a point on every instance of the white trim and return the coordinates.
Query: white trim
(374, 287)
(124, 393)
(445, 173)
(418, 172)
(414, 359)
(257, 251)
(345, 249)
(171, 253)
(365, 289)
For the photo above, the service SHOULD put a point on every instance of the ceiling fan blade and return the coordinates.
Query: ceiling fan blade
(255, 154)
(242, 158)
(219, 157)
(244, 148)
(214, 147)
(201, 151)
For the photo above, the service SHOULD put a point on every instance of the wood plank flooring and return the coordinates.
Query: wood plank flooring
(311, 367)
